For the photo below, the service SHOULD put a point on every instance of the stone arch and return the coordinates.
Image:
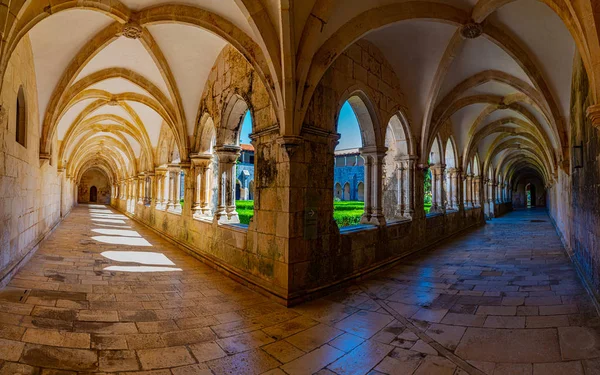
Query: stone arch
(338, 192)
(233, 115)
(365, 112)
(360, 192)
(347, 192)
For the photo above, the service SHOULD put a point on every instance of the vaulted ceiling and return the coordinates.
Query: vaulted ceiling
(113, 77)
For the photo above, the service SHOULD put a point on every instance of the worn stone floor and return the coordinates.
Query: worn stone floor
(104, 294)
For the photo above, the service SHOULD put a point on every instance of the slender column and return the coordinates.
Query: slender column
(454, 178)
(373, 186)
(227, 156)
(173, 203)
(185, 171)
(140, 189)
(469, 191)
(201, 175)
(409, 183)
(161, 177)
(400, 176)
(437, 189)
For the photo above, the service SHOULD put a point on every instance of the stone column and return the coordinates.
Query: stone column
(408, 186)
(456, 188)
(227, 156)
(141, 182)
(152, 189)
(174, 203)
(188, 189)
(201, 178)
(161, 178)
(401, 187)
(373, 185)
(469, 191)
(437, 189)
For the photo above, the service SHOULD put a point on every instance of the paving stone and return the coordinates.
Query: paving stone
(244, 341)
(251, 362)
(165, 357)
(313, 361)
(509, 345)
(314, 337)
(283, 351)
(579, 342)
(60, 358)
(364, 323)
(118, 360)
(361, 359)
(559, 368)
(10, 350)
(207, 351)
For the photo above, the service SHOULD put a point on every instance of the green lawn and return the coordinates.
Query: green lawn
(345, 213)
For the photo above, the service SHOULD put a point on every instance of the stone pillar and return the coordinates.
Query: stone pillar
(469, 191)
(173, 203)
(201, 180)
(408, 193)
(152, 191)
(188, 189)
(437, 189)
(476, 191)
(227, 156)
(141, 182)
(161, 179)
(373, 186)
(401, 187)
(456, 188)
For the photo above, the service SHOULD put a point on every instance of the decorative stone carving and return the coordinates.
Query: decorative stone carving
(3, 113)
(593, 113)
(132, 30)
(471, 30)
(290, 143)
(113, 102)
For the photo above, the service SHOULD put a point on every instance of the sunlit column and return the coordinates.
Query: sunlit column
(140, 189)
(188, 199)
(454, 179)
(201, 172)
(227, 156)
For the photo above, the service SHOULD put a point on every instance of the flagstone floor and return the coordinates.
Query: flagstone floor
(104, 294)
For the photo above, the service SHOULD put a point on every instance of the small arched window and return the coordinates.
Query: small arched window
(21, 119)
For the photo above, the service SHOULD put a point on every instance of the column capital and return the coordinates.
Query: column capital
(228, 153)
(373, 151)
(593, 113)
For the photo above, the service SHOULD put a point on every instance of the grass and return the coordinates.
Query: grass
(245, 210)
(345, 213)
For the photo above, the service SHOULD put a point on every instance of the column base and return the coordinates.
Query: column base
(227, 217)
(373, 219)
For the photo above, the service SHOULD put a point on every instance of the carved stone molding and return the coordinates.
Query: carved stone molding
(3, 113)
(132, 30)
(471, 30)
(113, 102)
(593, 113)
(290, 143)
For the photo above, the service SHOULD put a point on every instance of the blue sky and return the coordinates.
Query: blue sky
(348, 129)
(246, 128)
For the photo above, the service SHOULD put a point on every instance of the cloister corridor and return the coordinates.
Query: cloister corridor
(105, 294)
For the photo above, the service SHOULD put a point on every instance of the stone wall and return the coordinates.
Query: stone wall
(579, 224)
(30, 190)
(97, 179)
(519, 198)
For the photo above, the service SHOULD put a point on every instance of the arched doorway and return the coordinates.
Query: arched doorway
(93, 194)
(360, 194)
(346, 191)
(530, 193)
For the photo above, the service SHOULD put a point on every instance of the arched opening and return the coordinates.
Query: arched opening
(347, 193)
(349, 166)
(397, 172)
(338, 192)
(531, 195)
(434, 191)
(21, 119)
(450, 177)
(244, 171)
(360, 192)
(93, 194)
